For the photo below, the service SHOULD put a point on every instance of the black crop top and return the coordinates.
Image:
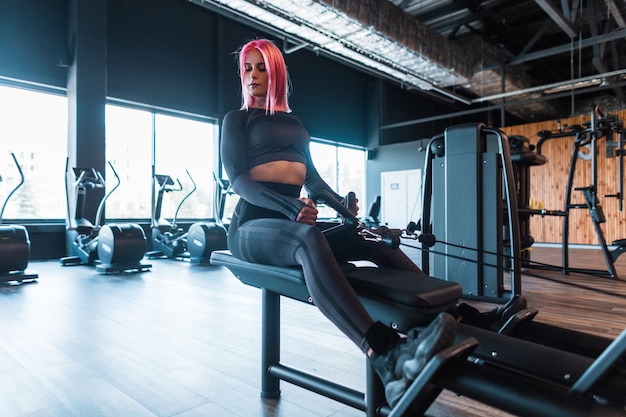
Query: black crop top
(253, 137)
(278, 137)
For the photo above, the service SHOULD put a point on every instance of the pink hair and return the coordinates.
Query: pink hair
(276, 68)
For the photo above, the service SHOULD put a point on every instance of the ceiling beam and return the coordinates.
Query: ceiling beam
(558, 18)
(567, 12)
(617, 35)
(597, 48)
(446, 10)
(616, 13)
(536, 37)
(460, 20)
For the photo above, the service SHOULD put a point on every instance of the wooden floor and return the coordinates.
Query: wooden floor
(183, 340)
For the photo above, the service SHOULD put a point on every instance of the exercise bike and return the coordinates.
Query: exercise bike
(111, 248)
(14, 243)
(171, 241)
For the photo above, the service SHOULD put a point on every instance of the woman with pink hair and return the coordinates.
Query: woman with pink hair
(265, 150)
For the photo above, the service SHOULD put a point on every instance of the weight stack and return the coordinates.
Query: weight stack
(468, 211)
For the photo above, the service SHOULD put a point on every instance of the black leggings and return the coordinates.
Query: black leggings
(284, 242)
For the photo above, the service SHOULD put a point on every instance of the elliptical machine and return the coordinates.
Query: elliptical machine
(111, 248)
(168, 240)
(171, 241)
(205, 237)
(14, 244)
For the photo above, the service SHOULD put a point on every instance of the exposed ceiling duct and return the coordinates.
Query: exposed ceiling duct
(553, 57)
(321, 27)
(459, 49)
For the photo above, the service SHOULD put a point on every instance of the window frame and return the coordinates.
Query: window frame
(156, 111)
(37, 88)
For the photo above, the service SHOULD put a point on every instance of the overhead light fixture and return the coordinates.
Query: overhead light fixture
(592, 80)
(326, 29)
(574, 86)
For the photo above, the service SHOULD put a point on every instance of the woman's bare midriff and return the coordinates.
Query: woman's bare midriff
(283, 172)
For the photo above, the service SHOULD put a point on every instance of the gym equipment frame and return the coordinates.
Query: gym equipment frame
(171, 241)
(513, 374)
(112, 248)
(14, 243)
(600, 126)
(470, 202)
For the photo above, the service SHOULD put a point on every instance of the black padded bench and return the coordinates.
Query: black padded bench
(514, 375)
(400, 299)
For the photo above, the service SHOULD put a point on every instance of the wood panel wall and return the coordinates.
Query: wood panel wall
(548, 186)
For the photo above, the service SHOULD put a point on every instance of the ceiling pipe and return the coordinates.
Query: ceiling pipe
(290, 50)
(548, 86)
(495, 107)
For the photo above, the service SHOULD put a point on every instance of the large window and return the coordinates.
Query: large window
(343, 169)
(181, 147)
(33, 126)
(129, 134)
(185, 151)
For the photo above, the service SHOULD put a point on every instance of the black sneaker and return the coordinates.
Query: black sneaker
(503, 314)
(389, 368)
(433, 339)
(402, 363)
(492, 319)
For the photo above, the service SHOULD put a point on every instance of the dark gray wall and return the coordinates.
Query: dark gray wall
(330, 98)
(401, 106)
(395, 157)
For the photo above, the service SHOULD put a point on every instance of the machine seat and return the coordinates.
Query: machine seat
(402, 299)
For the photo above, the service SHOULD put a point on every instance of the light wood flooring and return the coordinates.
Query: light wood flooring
(183, 340)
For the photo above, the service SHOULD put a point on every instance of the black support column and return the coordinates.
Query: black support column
(87, 88)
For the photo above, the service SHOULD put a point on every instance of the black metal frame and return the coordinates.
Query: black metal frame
(470, 205)
(515, 375)
(600, 126)
(424, 298)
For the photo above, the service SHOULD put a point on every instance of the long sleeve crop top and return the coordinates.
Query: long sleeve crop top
(253, 137)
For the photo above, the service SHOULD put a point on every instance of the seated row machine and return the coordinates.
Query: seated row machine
(526, 368)
(509, 373)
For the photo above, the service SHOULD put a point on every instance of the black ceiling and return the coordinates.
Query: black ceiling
(551, 41)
